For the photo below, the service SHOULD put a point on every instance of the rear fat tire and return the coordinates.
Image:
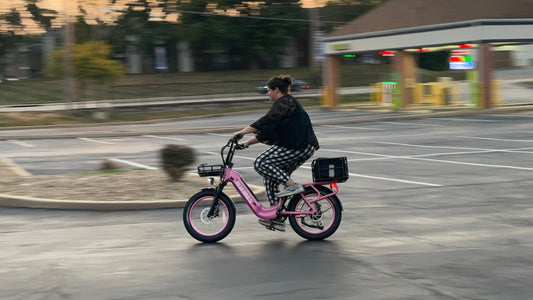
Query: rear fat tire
(330, 205)
(226, 220)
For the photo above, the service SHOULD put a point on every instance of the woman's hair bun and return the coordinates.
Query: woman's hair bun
(286, 78)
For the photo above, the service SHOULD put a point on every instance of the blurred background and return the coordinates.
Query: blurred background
(83, 50)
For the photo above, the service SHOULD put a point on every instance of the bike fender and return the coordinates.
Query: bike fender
(326, 190)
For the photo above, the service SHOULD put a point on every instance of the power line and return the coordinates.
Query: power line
(252, 17)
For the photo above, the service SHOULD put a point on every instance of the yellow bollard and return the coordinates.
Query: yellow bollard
(325, 95)
(496, 92)
(417, 93)
(377, 93)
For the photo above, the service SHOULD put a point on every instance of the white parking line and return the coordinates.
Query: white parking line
(495, 139)
(362, 153)
(210, 153)
(413, 124)
(355, 127)
(132, 163)
(515, 114)
(427, 146)
(476, 150)
(395, 180)
(23, 144)
(469, 164)
(95, 141)
(387, 179)
(423, 157)
(468, 120)
(164, 137)
(220, 134)
(244, 157)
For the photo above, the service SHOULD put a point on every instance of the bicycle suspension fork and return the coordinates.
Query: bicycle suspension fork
(213, 210)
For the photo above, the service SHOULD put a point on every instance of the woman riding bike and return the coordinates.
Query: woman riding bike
(288, 129)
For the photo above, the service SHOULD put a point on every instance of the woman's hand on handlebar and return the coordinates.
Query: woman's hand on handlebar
(237, 136)
(241, 146)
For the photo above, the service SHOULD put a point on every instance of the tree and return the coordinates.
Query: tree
(91, 62)
(227, 30)
(12, 28)
(43, 17)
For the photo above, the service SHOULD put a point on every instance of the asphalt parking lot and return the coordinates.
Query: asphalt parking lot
(435, 208)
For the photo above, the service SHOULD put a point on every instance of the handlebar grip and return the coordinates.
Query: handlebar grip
(238, 137)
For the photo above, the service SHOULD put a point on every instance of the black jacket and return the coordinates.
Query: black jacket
(286, 124)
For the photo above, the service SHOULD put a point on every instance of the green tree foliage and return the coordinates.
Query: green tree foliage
(13, 19)
(12, 22)
(135, 28)
(223, 34)
(91, 62)
(12, 26)
(8, 35)
(239, 39)
(132, 27)
(43, 17)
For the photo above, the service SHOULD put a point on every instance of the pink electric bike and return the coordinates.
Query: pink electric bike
(314, 214)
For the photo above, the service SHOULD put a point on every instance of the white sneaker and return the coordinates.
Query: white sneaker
(291, 190)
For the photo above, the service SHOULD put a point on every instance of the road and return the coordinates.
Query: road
(436, 208)
(510, 92)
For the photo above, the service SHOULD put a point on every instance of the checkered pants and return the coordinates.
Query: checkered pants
(277, 164)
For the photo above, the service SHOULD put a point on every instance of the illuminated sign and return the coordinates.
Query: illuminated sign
(387, 53)
(461, 59)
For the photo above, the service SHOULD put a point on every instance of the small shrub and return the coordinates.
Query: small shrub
(175, 159)
(110, 165)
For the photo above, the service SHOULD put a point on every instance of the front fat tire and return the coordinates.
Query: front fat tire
(331, 204)
(196, 202)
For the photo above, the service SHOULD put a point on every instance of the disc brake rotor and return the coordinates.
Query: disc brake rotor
(203, 216)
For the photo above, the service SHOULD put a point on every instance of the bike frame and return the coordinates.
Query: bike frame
(258, 209)
(263, 212)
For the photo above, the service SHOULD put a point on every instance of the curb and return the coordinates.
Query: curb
(44, 203)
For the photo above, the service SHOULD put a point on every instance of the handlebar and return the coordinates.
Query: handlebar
(238, 137)
(233, 145)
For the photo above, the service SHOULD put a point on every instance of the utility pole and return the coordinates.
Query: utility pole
(313, 29)
(68, 49)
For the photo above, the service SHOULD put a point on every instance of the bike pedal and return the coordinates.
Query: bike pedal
(270, 228)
